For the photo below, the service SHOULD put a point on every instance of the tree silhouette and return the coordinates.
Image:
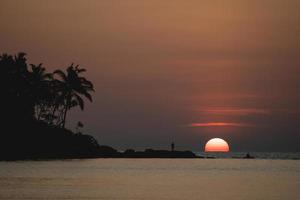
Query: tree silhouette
(34, 109)
(16, 88)
(72, 88)
(42, 89)
(31, 93)
(78, 126)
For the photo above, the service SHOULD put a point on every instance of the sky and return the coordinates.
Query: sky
(174, 70)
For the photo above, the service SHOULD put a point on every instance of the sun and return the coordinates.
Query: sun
(216, 145)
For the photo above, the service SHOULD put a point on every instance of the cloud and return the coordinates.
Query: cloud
(234, 111)
(221, 124)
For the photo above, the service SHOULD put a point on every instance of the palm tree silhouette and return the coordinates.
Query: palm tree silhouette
(72, 88)
(39, 73)
(16, 88)
(41, 83)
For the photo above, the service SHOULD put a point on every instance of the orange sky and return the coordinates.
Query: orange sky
(159, 66)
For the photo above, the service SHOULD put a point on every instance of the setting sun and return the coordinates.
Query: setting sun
(216, 145)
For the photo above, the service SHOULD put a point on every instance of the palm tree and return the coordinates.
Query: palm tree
(41, 85)
(16, 89)
(72, 88)
(39, 73)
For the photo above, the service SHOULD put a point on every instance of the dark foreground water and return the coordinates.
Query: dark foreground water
(152, 179)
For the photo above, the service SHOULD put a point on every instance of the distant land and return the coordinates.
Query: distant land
(42, 142)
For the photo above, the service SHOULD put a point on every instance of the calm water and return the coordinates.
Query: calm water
(150, 179)
(257, 155)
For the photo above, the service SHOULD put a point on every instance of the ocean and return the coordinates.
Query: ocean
(153, 179)
(257, 155)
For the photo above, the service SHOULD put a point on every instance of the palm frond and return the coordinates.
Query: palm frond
(79, 101)
(79, 70)
(88, 96)
(60, 73)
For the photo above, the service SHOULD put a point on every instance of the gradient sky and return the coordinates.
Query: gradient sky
(182, 71)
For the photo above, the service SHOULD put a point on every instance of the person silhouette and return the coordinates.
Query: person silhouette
(172, 146)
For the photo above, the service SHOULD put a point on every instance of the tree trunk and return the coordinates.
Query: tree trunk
(66, 110)
(65, 116)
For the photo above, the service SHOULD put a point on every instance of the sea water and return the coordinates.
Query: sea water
(152, 179)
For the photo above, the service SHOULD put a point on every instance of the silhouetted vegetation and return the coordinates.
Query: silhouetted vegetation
(34, 94)
(35, 104)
